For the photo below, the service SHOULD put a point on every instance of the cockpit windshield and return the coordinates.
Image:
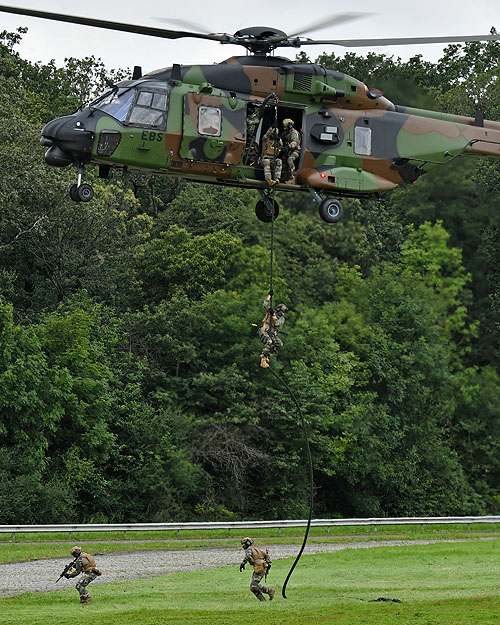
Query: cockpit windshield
(116, 103)
(137, 107)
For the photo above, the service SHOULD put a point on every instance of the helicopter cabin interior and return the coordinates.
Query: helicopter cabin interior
(271, 116)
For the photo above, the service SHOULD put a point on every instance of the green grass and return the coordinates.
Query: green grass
(36, 546)
(439, 584)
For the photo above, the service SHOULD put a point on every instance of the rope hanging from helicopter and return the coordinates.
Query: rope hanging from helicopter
(272, 191)
(270, 196)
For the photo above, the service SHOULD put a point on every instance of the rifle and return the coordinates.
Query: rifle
(67, 568)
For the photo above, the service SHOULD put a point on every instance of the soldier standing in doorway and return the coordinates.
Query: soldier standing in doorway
(271, 147)
(261, 563)
(290, 138)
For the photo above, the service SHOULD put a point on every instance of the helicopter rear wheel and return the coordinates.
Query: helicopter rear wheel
(331, 210)
(73, 193)
(264, 212)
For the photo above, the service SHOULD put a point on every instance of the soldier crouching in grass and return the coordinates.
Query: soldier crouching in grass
(261, 563)
(85, 564)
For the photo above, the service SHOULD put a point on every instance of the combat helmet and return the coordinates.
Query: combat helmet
(246, 542)
(75, 551)
(287, 122)
(281, 308)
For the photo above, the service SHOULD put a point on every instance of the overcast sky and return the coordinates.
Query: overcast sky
(47, 40)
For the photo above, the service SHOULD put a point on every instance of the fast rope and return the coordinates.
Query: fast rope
(311, 484)
(303, 423)
(272, 208)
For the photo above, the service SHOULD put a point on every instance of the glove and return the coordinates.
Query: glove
(242, 567)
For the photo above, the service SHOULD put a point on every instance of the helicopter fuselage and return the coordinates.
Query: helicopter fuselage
(192, 122)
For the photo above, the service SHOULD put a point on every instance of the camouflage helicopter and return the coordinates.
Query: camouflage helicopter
(193, 121)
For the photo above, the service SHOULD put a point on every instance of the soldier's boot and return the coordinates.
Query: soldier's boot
(260, 596)
(270, 592)
(291, 177)
(264, 362)
(86, 600)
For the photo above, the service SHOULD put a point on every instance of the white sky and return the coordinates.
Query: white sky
(48, 40)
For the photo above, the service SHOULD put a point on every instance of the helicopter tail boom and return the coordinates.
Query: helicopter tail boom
(471, 135)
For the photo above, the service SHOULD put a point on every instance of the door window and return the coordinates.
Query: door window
(209, 121)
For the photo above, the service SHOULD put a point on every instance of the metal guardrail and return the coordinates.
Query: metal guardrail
(229, 525)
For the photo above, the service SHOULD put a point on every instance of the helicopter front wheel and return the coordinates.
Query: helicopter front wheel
(264, 211)
(331, 210)
(85, 192)
(81, 193)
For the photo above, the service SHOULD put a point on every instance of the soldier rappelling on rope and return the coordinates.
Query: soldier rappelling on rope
(268, 332)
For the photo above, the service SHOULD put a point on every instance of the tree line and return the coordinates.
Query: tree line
(130, 386)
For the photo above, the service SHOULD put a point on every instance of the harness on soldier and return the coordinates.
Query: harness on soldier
(260, 563)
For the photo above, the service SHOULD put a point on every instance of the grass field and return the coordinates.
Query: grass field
(438, 584)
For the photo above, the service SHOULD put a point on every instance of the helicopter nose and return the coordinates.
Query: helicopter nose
(68, 141)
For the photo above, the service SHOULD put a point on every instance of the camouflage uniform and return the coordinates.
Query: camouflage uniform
(261, 562)
(291, 142)
(268, 332)
(271, 146)
(253, 120)
(85, 565)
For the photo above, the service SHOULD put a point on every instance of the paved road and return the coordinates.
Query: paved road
(40, 575)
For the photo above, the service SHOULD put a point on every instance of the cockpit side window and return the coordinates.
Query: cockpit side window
(149, 109)
(129, 106)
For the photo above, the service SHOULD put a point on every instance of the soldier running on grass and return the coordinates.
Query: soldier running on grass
(261, 563)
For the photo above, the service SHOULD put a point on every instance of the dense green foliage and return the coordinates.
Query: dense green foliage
(129, 381)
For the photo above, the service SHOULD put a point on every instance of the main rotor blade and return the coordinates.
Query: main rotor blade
(361, 43)
(128, 28)
(333, 20)
(194, 26)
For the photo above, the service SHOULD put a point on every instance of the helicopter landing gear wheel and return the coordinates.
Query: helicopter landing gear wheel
(331, 210)
(81, 191)
(73, 193)
(264, 211)
(85, 192)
